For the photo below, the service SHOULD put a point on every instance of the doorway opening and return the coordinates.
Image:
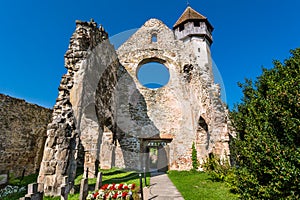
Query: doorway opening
(157, 156)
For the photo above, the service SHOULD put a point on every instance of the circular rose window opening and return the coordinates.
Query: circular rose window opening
(153, 75)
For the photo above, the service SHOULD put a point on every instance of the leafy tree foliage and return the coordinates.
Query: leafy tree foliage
(195, 162)
(267, 147)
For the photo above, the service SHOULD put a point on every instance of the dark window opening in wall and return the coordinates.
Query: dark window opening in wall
(202, 124)
(187, 69)
(203, 136)
(181, 27)
(197, 24)
(154, 37)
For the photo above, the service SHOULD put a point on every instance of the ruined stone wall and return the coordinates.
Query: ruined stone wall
(22, 135)
(105, 114)
(168, 113)
(63, 144)
(174, 111)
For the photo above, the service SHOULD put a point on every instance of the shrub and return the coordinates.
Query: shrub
(267, 147)
(220, 170)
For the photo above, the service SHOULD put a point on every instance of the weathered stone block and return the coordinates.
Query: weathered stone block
(83, 189)
(32, 188)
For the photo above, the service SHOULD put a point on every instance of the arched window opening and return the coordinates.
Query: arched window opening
(202, 124)
(202, 136)
(154, 38)
(153, 75)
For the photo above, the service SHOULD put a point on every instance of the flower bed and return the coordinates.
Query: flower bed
(10, 189)
(114, 191)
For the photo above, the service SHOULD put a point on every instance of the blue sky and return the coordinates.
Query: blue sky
(160, 78)
(35, 34)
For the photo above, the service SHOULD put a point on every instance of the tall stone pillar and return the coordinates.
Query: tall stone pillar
(63, 134)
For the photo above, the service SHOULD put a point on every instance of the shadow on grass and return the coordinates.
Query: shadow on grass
(114, 175)
(111, 173)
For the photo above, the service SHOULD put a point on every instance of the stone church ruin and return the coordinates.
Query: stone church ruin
(104, 116)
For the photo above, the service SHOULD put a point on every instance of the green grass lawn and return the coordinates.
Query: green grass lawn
(199, 186)
(114, 175)
(192, 185)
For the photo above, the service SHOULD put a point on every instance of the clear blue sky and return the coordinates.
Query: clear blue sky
(35, 34)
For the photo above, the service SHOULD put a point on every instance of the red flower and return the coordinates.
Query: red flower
(133, 186)
(96, 194)
(104, 187)
(120, 187)
(124, 194)
(115, 196)
(112, 187)
(126, 187)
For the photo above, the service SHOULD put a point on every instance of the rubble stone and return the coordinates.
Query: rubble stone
(23, 129)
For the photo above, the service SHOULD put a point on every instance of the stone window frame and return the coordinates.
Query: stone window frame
(154, 37)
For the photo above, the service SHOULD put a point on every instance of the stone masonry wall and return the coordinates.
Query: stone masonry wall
(165, 113)
(176, 111)
(22, 135)
(105, 114)
(63, 134)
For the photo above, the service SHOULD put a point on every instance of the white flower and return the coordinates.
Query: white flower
(101, 192)
(130, 186)
(11, 189)
(90, 197)
(119, 194)
(125, 185)
(109, 186)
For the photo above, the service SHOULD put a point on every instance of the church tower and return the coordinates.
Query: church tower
(194, 29)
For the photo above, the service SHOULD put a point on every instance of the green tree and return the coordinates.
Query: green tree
(195, 162)
(267, 147)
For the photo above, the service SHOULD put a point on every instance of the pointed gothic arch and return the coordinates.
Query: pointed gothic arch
(202, 135)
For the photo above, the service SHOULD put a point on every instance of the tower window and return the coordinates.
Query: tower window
(197, 23)
(181, 27)
(154, 38)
